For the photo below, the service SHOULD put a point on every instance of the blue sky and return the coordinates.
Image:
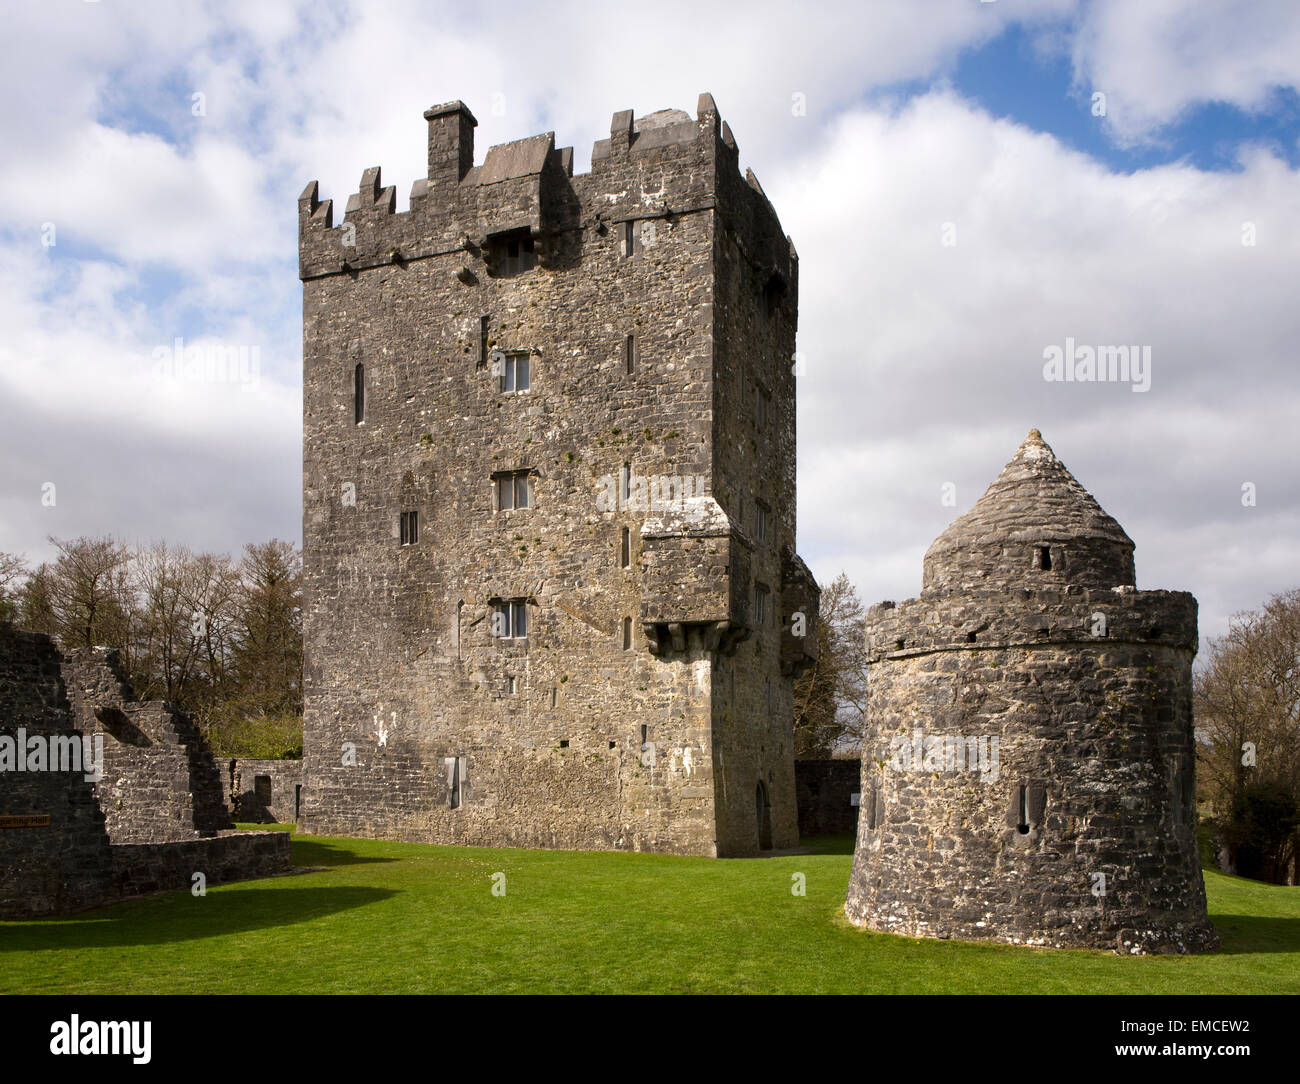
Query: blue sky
(957, 207)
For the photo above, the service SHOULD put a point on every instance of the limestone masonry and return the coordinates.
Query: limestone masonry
(1028, 770)
(153, 818)
(552, 597)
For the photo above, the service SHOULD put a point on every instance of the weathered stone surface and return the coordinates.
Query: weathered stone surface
(1082, 830)
(160, 780)
(659, 326)
(67, 864)
(154, 819)
(262, 791)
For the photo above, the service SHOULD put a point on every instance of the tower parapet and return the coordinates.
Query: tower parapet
(660, 166)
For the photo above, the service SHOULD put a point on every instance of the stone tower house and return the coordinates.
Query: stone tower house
(552, 595)
(1028, 771)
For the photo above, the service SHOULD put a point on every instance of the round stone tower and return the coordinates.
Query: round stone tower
(1028, 771)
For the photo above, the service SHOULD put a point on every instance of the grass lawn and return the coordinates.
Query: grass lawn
(409, 918)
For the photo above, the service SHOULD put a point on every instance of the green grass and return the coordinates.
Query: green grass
(385, 917)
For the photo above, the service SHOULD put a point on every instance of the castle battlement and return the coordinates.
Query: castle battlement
(1031, 617)
(661, 166)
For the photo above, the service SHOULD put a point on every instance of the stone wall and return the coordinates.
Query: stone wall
(142, 868)
(263, 791)
(1082, 830)
(160, 779)
(69, 842)
(647, 704)
(61, 860)
(825, 789)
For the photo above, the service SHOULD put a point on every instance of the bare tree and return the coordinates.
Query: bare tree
(89, 593)
(13, 570)
(830, 698)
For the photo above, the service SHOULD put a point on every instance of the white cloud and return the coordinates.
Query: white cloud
(1156, 59)
(924, 360)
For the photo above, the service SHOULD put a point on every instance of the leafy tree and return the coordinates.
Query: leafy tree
(1248, 726)
(268, 652)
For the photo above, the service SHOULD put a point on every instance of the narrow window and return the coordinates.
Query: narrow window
(359, 395)
(553, 695)
(627, 484)
(629, 353)
(627, 634)
(518, 620)
(456, 781)
(1023, 803)
(625, 550)
(760, 605)
(482, 341)
(515, 375)
(1045, 558)
(409, 528)
(645, 735)
(760, 521)
(512, 684)
(774, 294)
(629, 238)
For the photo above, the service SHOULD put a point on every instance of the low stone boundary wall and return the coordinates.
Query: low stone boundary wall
(141, 868)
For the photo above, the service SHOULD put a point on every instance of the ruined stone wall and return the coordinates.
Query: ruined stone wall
(65, 864)
(143, 868)
(83, 843)
(160, 779)
(825, 789)
(1093, 773)
(568, 738)
(262, 791)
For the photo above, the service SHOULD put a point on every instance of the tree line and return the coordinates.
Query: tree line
(219, 638)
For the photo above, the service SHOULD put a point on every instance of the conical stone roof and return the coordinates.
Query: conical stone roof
(1035, 524)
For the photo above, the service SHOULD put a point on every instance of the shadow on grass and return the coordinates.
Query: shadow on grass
(1243, 935)
(167, 918)
(311, 851)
